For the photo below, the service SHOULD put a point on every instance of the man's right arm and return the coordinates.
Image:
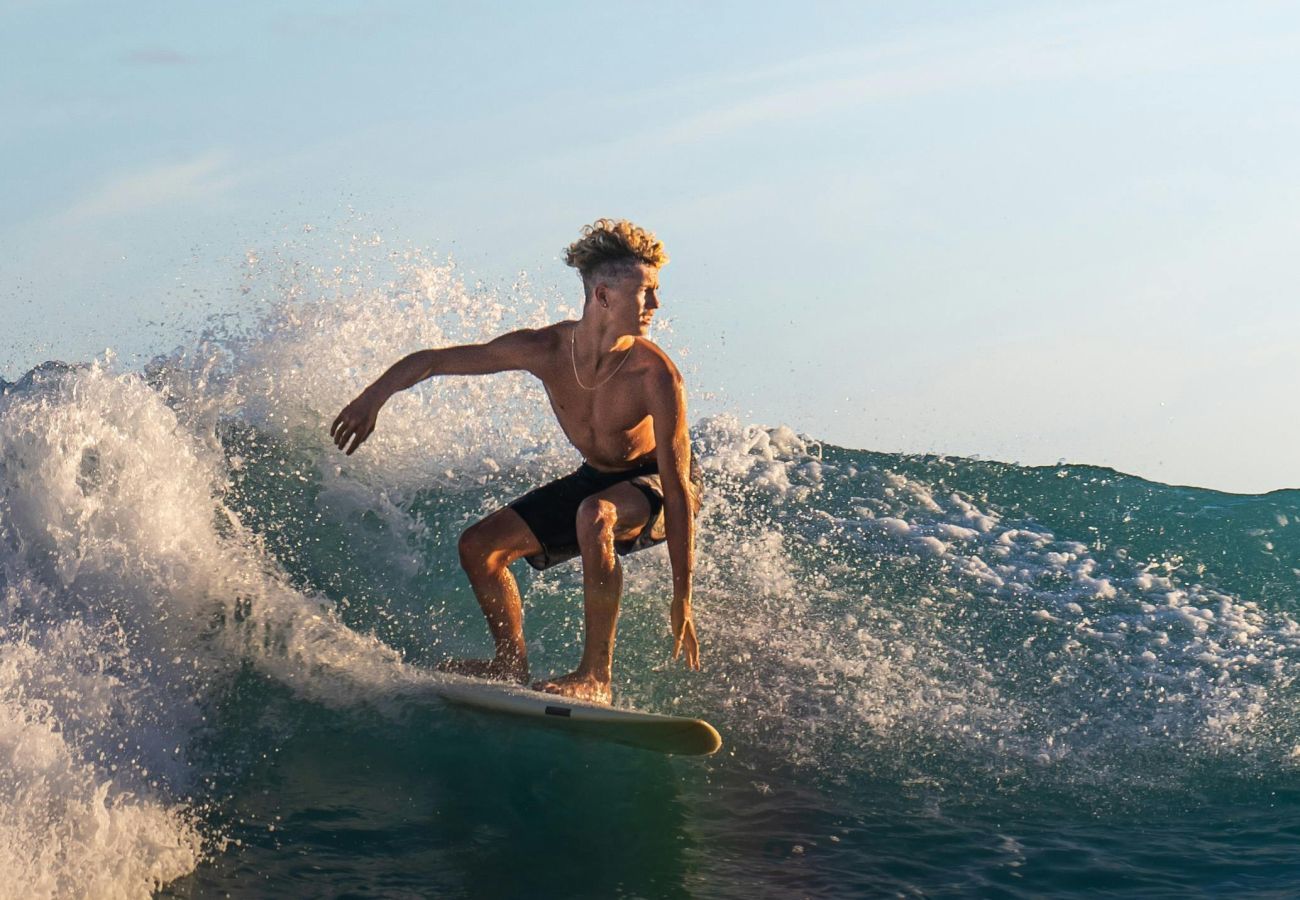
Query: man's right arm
(517, 350)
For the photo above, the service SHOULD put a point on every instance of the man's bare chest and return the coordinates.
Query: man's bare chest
(610, 424)
(608, 408)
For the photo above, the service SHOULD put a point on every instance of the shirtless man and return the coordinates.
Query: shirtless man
(621, 402)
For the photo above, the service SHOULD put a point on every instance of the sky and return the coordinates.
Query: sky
(1031, 232)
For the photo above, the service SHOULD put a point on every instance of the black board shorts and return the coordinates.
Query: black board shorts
(551, 511)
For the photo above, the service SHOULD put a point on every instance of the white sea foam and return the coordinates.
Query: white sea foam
(987, 631)
(120, 566)
(796, 672)
(68, 828)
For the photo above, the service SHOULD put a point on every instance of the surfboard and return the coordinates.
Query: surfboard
(649, 731)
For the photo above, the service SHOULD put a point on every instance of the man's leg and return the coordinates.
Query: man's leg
(618, 513)
(487, 549)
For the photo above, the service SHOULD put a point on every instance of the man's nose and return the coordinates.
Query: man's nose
(652, 300)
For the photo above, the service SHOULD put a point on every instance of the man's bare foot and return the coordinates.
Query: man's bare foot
(515, 671)
(576, 685)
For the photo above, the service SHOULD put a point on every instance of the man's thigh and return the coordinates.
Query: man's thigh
(505, 531)
(552, 515)
(631, 506)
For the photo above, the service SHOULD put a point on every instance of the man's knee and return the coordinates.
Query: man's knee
(481, 547)
(597, 520)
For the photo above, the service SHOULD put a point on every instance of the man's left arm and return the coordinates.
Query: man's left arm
(673, 454)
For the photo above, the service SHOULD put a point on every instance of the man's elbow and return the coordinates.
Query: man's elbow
(423, 363)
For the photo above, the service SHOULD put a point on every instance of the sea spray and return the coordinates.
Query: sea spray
(130, 594)
(97, 671)
(909, 614)
(899, 650)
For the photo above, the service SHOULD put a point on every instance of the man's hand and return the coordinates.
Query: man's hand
(356, 422)
(684, 634)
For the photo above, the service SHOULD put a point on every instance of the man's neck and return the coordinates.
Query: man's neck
(598, 339)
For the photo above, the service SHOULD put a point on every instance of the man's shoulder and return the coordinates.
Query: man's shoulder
(538, 340)
(654, 364)
(550, 332)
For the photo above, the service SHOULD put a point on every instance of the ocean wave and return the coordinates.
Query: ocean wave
(864, 615)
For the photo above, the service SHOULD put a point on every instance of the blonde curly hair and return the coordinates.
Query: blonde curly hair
(608, 246)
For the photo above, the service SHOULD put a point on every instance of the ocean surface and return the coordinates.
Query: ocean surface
(934, 677)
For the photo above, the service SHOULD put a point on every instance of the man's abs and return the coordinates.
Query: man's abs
(611, 437)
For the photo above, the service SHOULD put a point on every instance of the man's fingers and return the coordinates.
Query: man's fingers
(342, 426)
(343, 432)
(684, 639)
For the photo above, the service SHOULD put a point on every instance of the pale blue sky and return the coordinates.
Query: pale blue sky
(1027, 231)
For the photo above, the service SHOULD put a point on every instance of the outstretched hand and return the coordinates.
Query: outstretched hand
(684, 634)
(354, 424)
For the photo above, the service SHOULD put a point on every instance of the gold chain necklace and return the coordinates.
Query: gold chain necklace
(573, 357)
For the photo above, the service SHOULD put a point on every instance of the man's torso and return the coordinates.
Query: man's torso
(609, 424)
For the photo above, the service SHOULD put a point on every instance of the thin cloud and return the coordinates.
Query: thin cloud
(1031, 50)
(198, 180)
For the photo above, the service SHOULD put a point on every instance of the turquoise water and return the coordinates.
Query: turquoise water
(934, 677)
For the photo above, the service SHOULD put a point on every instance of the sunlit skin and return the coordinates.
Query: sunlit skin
(632, 410)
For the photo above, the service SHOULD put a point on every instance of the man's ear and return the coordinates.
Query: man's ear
(602, 294)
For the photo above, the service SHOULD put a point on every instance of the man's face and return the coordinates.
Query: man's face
(634, 297)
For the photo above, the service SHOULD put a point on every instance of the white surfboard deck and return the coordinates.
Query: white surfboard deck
(649, 731)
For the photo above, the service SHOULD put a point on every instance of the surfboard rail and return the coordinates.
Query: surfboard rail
(678, 735)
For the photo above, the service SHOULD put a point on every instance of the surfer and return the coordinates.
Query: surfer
(621, 402)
